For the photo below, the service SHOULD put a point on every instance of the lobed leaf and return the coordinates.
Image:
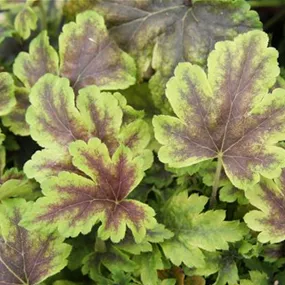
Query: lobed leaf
(228, 114)
(195, 230)
(41, 59)
(160, 35)
(27, 257)
(90, 57)
(74, 203)
(268, 198)
(7, 97)
(25, 22)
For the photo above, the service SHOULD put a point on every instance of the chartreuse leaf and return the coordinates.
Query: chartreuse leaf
(269, 199)
(89, 56)
(55, 122)
(41, 59)
(256, 277)
(147, 266)
(74, 203)
(7, 96)
(228, 114)
(160, 36)
(16, 120)
(27, 257)
(25, 22)
(195, 230)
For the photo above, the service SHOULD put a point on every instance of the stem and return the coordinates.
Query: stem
(43, 16)
(213, 199)
(268, 3)
(274, 20)
(179, 275)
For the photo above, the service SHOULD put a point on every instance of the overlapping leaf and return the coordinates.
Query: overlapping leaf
(89, 56)
(27, 257)
(228, 114)
(7, 96)
(55, 122)
(74, 203)
(269, 199)
(195, 230)
(161, 34)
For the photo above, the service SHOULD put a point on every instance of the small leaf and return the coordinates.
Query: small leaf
(41, 59)
(227, 114)
(256, 277)
(195, 230)
(27, 257)
(7, 97)
(89, 56)
(74, 203)
(15, 120)
(25, 22)
(269, 199)
(228, 274)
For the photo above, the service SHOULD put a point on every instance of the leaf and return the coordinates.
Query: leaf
(41, 59)
(25, 22)
(74, 203)
(96, 114)
(269, 199)
(53, 118)
(256, 278)
(228, 274)
(89, 56)
(7, 98)
(15, 120)
(160, 36)
(27, 257)
(195, 230)
(227, 114)
(147, 266)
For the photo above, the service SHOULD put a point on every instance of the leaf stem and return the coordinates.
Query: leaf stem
(179, 275)
(213, 199)
(279, 16)
(268, 3)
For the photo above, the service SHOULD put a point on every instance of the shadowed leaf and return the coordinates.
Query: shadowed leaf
(7, 96)
(26, 257)
(89, 56)
(160, 34)
(268, 197)
(15, 120)
(227, 114)
(74, 203)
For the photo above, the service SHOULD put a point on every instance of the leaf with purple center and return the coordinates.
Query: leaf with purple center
(27, 257)
(75, 203)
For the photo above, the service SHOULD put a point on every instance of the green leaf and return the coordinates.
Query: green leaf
(148, 264)
(269, 199)
(25, 22)
(256, 277)
(7, 97)
(195, 230)
(227, 114)
(41, 59)
(228, 274)
(160, 36)
(89, 56)
(27, 257)
(74, 203)
(15, 120)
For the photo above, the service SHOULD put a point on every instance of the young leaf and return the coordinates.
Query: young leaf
(89, 56)
(269, 199)
(25, 22)
(160, 36)
(27, 257)
(15, 120)
(74, 203)
(7, 97)
(41, 59)
(227, 115)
